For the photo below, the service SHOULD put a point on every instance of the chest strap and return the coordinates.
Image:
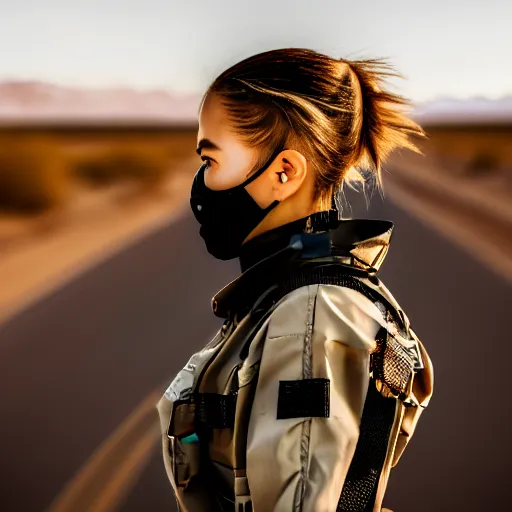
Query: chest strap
(215, 410)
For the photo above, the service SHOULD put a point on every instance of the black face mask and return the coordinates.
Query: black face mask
(227, 216)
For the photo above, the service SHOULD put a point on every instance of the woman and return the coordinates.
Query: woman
(307, 395)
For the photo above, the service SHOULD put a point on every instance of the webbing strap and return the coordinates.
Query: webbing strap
(334, 274)
(359, 490)
(215, 410)
(360, 487)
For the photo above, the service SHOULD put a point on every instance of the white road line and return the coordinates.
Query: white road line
(129, 472)
(486, 253)
(109, 473)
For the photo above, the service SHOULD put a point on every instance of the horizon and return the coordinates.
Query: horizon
(32, 102)
(170, 91)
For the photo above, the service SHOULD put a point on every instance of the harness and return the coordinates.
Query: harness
(309, 260)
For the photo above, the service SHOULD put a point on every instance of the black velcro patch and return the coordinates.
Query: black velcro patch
(303, 398)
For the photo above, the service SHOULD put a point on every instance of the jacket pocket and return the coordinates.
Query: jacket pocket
(184, 446)
(185, 460)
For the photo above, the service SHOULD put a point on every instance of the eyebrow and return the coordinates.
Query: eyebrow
(206, 144)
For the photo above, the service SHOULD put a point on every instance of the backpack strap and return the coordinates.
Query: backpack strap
(362, 479)
(218, 410)
(392, 368)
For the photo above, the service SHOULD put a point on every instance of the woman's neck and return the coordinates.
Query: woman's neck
(288, 211)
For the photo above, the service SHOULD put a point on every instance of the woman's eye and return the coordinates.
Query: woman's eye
(206, 159)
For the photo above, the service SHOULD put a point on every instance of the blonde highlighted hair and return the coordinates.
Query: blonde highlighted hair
(335, 111)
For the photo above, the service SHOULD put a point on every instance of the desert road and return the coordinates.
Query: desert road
(75, 367)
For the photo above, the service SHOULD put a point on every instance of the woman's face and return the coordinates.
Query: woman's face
(230, 161)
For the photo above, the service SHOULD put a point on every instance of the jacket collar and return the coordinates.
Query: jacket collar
(361, 244)
(264, 245)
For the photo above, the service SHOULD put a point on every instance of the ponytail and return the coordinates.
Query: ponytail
(382, 127)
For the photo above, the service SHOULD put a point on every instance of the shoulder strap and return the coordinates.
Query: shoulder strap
(216, 411)
(362, 480)
(360, 487)
(328, 271)
(219, 410)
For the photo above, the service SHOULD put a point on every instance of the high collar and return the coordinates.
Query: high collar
(272, 241)
(361, 244)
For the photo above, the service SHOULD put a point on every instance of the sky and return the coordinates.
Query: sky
(444, 48)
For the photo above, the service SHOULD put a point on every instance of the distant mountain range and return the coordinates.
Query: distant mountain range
(468, 111)
(39, 102)
(28, 102)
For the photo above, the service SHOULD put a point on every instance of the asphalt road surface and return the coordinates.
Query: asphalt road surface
(74, 366)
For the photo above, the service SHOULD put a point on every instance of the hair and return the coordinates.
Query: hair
(334, 111)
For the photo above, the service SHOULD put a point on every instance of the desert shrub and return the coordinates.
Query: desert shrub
(148, 166)
(98, 170)
(482, 163)
(33, 174)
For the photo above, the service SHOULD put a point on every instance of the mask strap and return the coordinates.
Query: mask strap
(262, 169)
(273, 205)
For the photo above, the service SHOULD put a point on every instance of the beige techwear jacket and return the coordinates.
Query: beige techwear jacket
(284, 451)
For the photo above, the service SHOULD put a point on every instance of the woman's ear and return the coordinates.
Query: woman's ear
(286, 175)
(291, 170)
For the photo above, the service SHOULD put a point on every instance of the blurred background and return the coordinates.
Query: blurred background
(105, 285)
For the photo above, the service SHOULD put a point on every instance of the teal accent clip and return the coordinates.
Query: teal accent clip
(190, 439)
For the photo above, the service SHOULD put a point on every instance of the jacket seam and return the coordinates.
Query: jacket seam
(293, 335)
(307, 373)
